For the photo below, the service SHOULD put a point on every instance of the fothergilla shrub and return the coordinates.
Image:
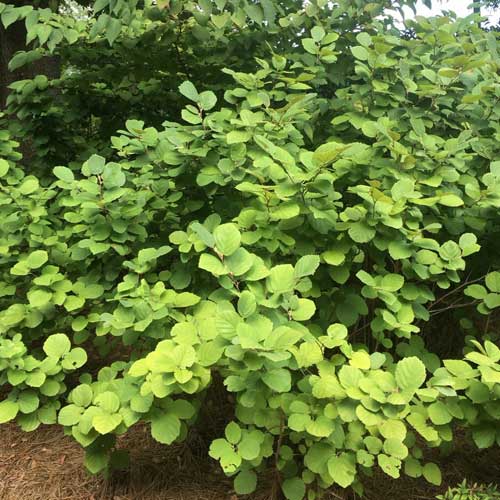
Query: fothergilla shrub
(309, 225)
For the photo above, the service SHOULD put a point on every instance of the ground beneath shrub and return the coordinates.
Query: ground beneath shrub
(47, 465)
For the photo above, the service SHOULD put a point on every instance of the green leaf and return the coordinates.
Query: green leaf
(73, 302)
(305, 310)
(233, 433)
(37, 259)
(410, 373)
(492, 281)
(395, 448)
(413, 468)
(327, 153)
(334, 257)
(113, 29)
(390, 465)
(69, 415)
(75, 359)
(342, 469)
(29, 186)
(4, 167)
(249, 447)
(279, 154)
(36, 379)
(229, 459)
(247, 304)
(227, 238)
(186, 299)
(28, 401)
(179, 237)
(8, 411)
(361, 232)
(318, 33)
(165, 428)
(50, 387)
(9, 15)
(212, 264)
(336, 335)
(450, 251)
(183, 409)
(64, 173)
(207, 100)
(392, 282)
(399, 250)
(112, 176)
(294, 488)
(403, 189)
(432, 473)
(240, 262)
(209, 353)
(476, 291)
(238, 136)
(104, 424)
(484, 436)
(393, 429)
(298, 422)
(468, 244)
(141, 404)
(19, 60)
(39, 298)
(365, 278)
(255, 13)
(306, 266)
(327, 387)
(187, 89)
(439, 414)
(320, 427)
(94, 165)
(281, 279)
(245, 482)
(360, 53)
(96, 461)
(361, 360)
(310, 45)
(450, 200)
(284, 211)
(82, 395)
(364, 39)
(279, 380)
(57, 345)
(221, 20)
(309, 353)
(108, 401)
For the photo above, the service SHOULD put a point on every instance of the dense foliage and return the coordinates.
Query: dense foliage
(466, 491)
(299, 201)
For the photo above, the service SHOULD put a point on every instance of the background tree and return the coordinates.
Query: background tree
(12, 40)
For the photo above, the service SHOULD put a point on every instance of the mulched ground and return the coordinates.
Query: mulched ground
(46, 465)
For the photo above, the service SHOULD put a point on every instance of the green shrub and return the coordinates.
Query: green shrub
(306, 231)
(465, 491)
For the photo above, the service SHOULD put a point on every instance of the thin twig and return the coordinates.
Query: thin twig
(455, 290)
(453, 306)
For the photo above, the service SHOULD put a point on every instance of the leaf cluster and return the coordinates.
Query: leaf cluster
(303, 223)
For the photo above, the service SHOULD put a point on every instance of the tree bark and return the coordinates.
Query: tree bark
(12, 40)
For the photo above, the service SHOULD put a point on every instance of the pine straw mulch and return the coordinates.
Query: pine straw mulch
(46, 465)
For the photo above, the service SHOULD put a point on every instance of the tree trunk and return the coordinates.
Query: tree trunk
(12, 40)
(477, 10)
